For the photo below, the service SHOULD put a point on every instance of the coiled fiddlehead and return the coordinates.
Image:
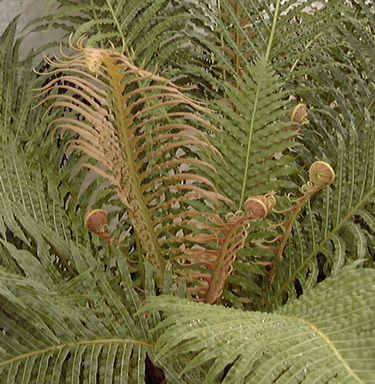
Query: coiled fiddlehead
(95, 221)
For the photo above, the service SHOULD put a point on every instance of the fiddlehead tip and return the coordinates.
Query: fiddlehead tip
(321, 174)
(298, 113)
(95, 220)
(258, 206)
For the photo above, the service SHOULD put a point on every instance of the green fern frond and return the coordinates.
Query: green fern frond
(331, 232)
(252, 134)
(336, 319)
(33, 215)
(124, 23)
(336, 229)
(84, 331)
(233, 33)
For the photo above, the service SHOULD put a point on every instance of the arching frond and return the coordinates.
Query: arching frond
(134, 124)
(84, 331)
(327, 334)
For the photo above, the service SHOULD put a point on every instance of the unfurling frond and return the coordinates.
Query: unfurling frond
(96, 222)
(225, 238)
(321, 175)
(140, 129)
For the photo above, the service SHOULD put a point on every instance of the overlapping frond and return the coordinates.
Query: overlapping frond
(327, 334)
(15, 83)
(141, 129)
(47, 278)
(150, 28)
(228, 35)
(38, 240)
(26, 199)
(337, 227)
(34, 214)
(256, 139)
(70, 308)
(62, 318)
(85, 331)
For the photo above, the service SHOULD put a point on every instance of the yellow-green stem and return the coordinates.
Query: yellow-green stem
(72, 345)
(151, 245)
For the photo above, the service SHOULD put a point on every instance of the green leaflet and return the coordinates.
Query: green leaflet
(327, 334)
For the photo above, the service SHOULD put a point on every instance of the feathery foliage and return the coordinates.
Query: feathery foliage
(151, 28)
(328, 334)
(217, 151)
(57, 337)
(335, 230)
(252, 134)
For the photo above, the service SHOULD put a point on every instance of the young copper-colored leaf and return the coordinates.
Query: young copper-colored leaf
(143, 130)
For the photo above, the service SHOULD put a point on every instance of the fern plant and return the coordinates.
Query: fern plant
(225, 159)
